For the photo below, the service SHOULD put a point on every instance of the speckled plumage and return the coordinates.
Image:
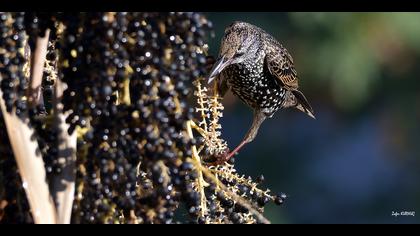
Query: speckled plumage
(251, 82)
(260, 71)
(265, 79)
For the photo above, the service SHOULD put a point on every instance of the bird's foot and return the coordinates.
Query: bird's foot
(219, 158)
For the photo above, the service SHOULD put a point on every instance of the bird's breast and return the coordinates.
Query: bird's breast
(254, 86)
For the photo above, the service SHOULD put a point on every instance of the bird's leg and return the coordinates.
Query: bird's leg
(259, 117)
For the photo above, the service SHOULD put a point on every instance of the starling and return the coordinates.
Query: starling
(258, 70)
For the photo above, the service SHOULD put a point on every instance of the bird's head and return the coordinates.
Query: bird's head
(238, 44)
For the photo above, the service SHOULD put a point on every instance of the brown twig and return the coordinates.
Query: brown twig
(31, 167)
(37, 69)
(63, 185)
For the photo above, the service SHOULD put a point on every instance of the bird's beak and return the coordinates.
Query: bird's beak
(220, 64)
(309, 113)
(306, 111)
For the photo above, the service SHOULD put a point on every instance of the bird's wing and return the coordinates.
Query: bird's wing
(280, 64)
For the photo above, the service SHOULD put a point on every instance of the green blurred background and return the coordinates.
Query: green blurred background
(360, 159)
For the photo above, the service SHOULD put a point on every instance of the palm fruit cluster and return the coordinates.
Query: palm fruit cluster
(132, 95)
